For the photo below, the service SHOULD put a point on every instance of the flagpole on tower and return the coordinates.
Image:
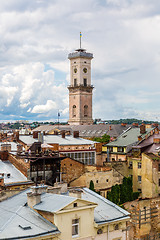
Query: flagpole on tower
(80, 39)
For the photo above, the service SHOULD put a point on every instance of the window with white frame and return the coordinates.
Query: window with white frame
(75, 227)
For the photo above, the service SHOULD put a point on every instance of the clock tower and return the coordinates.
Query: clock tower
(80, 88)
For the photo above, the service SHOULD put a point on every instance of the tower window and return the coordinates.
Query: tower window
(85, 82)
(74, 111)
(75, 82)
(85, 111)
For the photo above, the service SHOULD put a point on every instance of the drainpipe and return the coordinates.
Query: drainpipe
(108, 233)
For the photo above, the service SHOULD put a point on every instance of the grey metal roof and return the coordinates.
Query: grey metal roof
(15, 217)
(50, 139)
(7, 167)
(95, 130)
(129, 137)
(53, 202)
(106, 211)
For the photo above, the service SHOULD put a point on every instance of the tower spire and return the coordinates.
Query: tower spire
(80, 39)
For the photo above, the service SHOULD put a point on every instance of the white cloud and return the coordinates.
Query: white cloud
(49, 106)
(36, 37)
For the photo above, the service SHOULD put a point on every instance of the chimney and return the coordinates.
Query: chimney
(17, 136)
(40, 137)
(35, 134)
(142, 128)
(139, 138)
(156, 130)
(76, 134)
(34, 197)
(2, 181)
(155, 125)
(63, 134)
(135, 124)
(19, 148)
(123, 124)
(77, 193)
(110, 128)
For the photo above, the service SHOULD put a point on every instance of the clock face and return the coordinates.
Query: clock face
(75, 70)
(85, 70)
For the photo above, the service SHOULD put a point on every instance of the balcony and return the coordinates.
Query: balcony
(80, 54)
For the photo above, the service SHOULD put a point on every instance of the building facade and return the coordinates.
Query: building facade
(80, 88)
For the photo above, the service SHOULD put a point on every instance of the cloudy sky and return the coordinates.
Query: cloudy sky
(37, 35)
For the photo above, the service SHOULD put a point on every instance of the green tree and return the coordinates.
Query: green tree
(91, 186)
(122, 193)
(104, 139)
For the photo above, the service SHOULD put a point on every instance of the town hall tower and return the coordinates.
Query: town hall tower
(80, 88)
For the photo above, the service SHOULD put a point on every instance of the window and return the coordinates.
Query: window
(159, 182)
(110, 149)
(139, 164)
(158, 167)
(139, 179)
(75, 227)
(106, 180)
(74, 204)
(75, 82)
(85, 111)
(85, 82)
(116, 227)
(120, 149)
(96, 181)
(130, 165)
(74, 111)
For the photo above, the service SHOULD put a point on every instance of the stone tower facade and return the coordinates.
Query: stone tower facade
(80, 88)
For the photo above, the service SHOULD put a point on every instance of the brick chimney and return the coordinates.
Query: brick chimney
(19, 148)
(110, 128)
(17, 136)
(76, 134)
(139, 138)
(1, 181)
(35, 134)
(156, 130)
(142, 128)
(135, 124)
(63, 134)
(123, 124)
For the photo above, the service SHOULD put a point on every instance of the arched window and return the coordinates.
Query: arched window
(74, 111)
(85, 111)
(85, 82)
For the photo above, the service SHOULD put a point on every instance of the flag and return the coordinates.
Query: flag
(58, 114)
(80, 34)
